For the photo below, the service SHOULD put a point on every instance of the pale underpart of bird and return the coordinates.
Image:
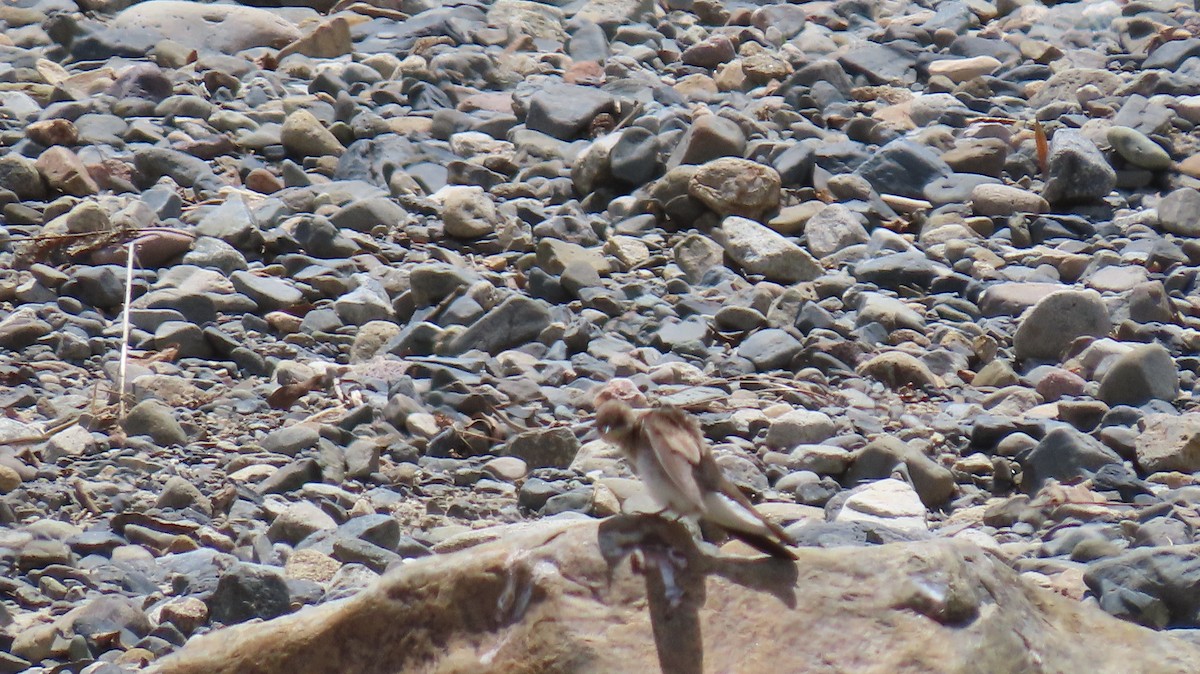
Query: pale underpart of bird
(670, 455)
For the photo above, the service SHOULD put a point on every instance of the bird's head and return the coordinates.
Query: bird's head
(615, 421)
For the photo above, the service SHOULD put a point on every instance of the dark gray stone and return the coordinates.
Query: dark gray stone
(565, 111)
(291, 440)
(248, 591)
(515, 321)
(268, 292)
(770, 349)
(554, 448)
(1077, 171)
(903, 167)
(1064, 454)
(1155, 588)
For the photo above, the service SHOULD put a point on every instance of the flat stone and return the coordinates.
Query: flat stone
(565, 111)
(1012, 299)
(268, 292)
(298, 522)
(962, 70)
(514, 322)
(888, 501)
(770, 349)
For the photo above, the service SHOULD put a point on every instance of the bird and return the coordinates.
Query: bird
(669, 454)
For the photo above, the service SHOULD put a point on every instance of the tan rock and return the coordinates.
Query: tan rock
(309, 564)
(898, 369)
(990, 199)
(10, 479)
(64, 171)
(53, 132)
(891, 502)
(330, 39)
(570, 597)
(735, 186)
(1169, 442)
(304, 136)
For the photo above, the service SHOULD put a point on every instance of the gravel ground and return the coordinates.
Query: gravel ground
(920, 269)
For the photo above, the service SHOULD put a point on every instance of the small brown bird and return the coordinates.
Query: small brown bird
(669, 454)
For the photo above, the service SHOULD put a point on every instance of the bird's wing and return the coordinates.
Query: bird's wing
(735, 502)
(678, 445)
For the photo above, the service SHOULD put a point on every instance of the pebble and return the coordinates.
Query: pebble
(761, 251)
(1137, 149)
(1077, 171)
(1057, 320)
(987, 199)
(1143, 374)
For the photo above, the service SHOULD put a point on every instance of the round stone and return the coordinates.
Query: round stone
(1138, 150)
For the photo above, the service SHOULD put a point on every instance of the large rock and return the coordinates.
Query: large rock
(224, 28)
(513, 322)
(761, 251)
(1078, 172)
(1146, 373)
(1169, 442)
(1153, 587)
(568, 597)
(1056, 320)
(1065, 455)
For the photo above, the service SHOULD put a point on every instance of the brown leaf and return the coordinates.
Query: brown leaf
(1043, 145)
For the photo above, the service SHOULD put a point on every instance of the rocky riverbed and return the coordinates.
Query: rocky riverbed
(922, 270)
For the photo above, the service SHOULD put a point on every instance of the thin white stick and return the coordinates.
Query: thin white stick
(125, 332)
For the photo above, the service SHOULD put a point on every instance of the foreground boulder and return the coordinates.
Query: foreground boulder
(571, 597)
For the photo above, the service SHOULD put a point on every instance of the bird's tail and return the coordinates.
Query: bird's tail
(765, 544)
